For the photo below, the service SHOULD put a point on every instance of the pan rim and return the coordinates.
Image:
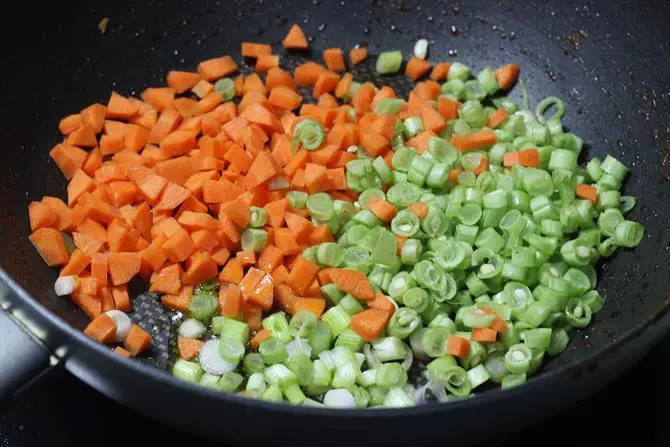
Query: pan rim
(659, 321)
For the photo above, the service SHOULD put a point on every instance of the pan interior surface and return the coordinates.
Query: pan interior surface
(611, 81)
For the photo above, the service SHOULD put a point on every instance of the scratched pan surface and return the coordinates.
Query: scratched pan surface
(608, 61)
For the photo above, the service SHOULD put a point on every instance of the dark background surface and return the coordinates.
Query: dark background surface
(60, 410)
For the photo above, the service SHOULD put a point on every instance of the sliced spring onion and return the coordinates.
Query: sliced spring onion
(309, 133)
(389, 62)
(226, 87)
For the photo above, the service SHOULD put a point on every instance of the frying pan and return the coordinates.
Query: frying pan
(607, 60)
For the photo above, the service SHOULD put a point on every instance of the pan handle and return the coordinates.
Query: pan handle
(22, 357)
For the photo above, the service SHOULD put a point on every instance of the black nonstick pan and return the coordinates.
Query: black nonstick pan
(608, 60)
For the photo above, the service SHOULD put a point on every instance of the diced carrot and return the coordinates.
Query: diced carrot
(247, 258)
(120, 107)
(448, 108)
(263, 293)
(50, 246)
(485, 335)
(68, 158)
(440, 71)
(475, 140)
(137, 341)
(299, 226)
(159, 98)
(343, 86)
(41, 215)
(328, 101)
(523, 157)
(98, 268)
(295, 39)
(238, 157)
(70, 123)
(381, 302)
(482, 166)
(179, 246)
(77, 263)
(250, 282)
(102, 329)
(432, 119)
(253, 316)
(150, 184)
(315, 306)
(106, 299)
(63, 220)
(358, 55)
(205, 240)
(237, 211)
(94, 117)
(316, 177)
(232, 272)
(285, 98)
(416, 68)
(230, 300)
(202, 88)
(262, 169)
(275, 211)
(88, 285)
(121, 298)
(507, 76)
(252, 83)
(180, 301)
(419, 208)
(370, 323)
(320, 234)
(497, 118)
(202, 268)
(189, 348)
(420, 142)
(259, 337)
(334, 59)
(324, 276)
(499, 325)
(588, 192)
(277, 77)
(121, 351)
(270, 258)
(325, 83)
(354, 282)
(458, 346)
(181, 81)
(280, 275)
(374, 144)
(266, 62)
(381, 208)
(216, 68)
(302, 274)
(308, 73)
(250, 49)
(167, 280)
(284, 297)
(123, 266)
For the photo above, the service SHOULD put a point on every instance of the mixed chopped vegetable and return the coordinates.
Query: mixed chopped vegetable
(367, 251)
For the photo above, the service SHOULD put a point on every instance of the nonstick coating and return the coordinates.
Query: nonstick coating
(607, 60)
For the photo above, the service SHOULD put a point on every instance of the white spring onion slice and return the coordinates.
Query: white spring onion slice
(339, 398)
(122, 321)
(421, 48)
(298, 346)
(211, 361)
(191, 328)
(65, 285)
